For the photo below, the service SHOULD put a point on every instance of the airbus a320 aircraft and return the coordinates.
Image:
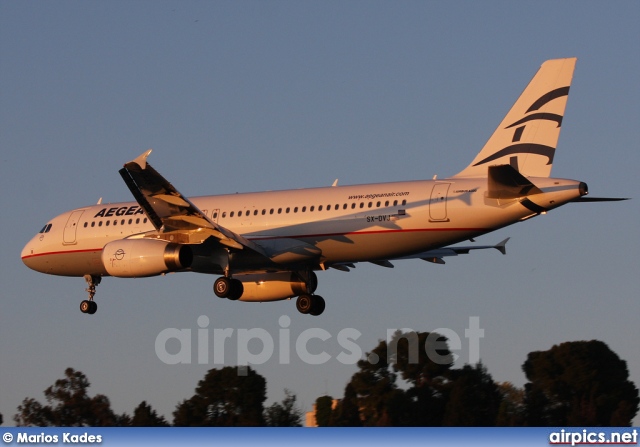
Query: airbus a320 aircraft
(267, 246)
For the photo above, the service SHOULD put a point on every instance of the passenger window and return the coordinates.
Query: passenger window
(304, 209)
(404, 202)
(386, 203)
(93, 224)
(395, 203)
(108, 222)
(288, 209)
(271, 211)
(100, 223)
(231, 214)
(115, 222)
(264, 212)
(145, 220)
(279, 210)
(86, 224)
(215, 215)
(370, 203)
(353, 205)
(295, 210)
(378, 205)
(361, 204)
(130, 221)
(311, 208)
(122, 222)
(320, 208)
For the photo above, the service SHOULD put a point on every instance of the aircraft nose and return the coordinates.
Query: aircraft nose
(27, 254)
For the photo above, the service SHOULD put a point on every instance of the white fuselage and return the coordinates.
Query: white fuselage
(346, 223)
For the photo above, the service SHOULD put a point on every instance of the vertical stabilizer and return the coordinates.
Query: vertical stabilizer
(527, 137)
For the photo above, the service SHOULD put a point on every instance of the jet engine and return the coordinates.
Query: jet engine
(136, 258)
(271, 286)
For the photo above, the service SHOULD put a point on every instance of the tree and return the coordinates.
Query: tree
(145, 416)
(474, 398)
(376, 389)
(323, 411)
(512, 411)
(285, 414)
(224, 399)
(69, 406)
(424, 361)
(580, 383)
(347, 412)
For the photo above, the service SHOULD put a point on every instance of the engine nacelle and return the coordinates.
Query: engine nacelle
(136, 258)
(271, 286)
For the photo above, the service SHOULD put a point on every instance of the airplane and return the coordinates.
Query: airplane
(267, 246)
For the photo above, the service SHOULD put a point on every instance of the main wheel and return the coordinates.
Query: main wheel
(93, 307)
(304, 304)
(317, 306)
(85, 307)
(237, 289)
(222, 287)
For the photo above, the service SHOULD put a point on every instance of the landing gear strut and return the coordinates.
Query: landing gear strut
(310, 304)
(89, 306)
(226, 287)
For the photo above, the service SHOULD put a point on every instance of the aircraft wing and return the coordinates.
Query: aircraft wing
(434, 256)
(170, 211)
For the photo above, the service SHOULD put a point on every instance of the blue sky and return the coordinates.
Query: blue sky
(251, 96)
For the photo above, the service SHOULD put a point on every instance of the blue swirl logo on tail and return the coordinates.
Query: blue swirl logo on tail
(531, 148)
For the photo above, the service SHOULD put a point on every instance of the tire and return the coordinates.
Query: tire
(237, 289)
(318, 305)
(85, 307)
(304, 304)
(222, 287)
(93, 307)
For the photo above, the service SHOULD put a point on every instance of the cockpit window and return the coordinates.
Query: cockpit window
(46, 228)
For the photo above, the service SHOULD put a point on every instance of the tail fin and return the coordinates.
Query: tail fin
(527, 137)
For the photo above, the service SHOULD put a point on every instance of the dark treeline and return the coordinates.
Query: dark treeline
(409, 381)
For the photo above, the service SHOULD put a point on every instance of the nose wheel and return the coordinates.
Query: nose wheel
(89, 306)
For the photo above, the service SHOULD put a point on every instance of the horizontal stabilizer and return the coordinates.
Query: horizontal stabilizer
(505, 182)
(599, 199)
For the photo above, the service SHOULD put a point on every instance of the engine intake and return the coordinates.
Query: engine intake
(136, 258)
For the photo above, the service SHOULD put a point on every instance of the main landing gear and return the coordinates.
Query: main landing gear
(89, 306)
(310, 304)
(230, 288)
(307, 303)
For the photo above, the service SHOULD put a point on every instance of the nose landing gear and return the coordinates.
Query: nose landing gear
(89, 306)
